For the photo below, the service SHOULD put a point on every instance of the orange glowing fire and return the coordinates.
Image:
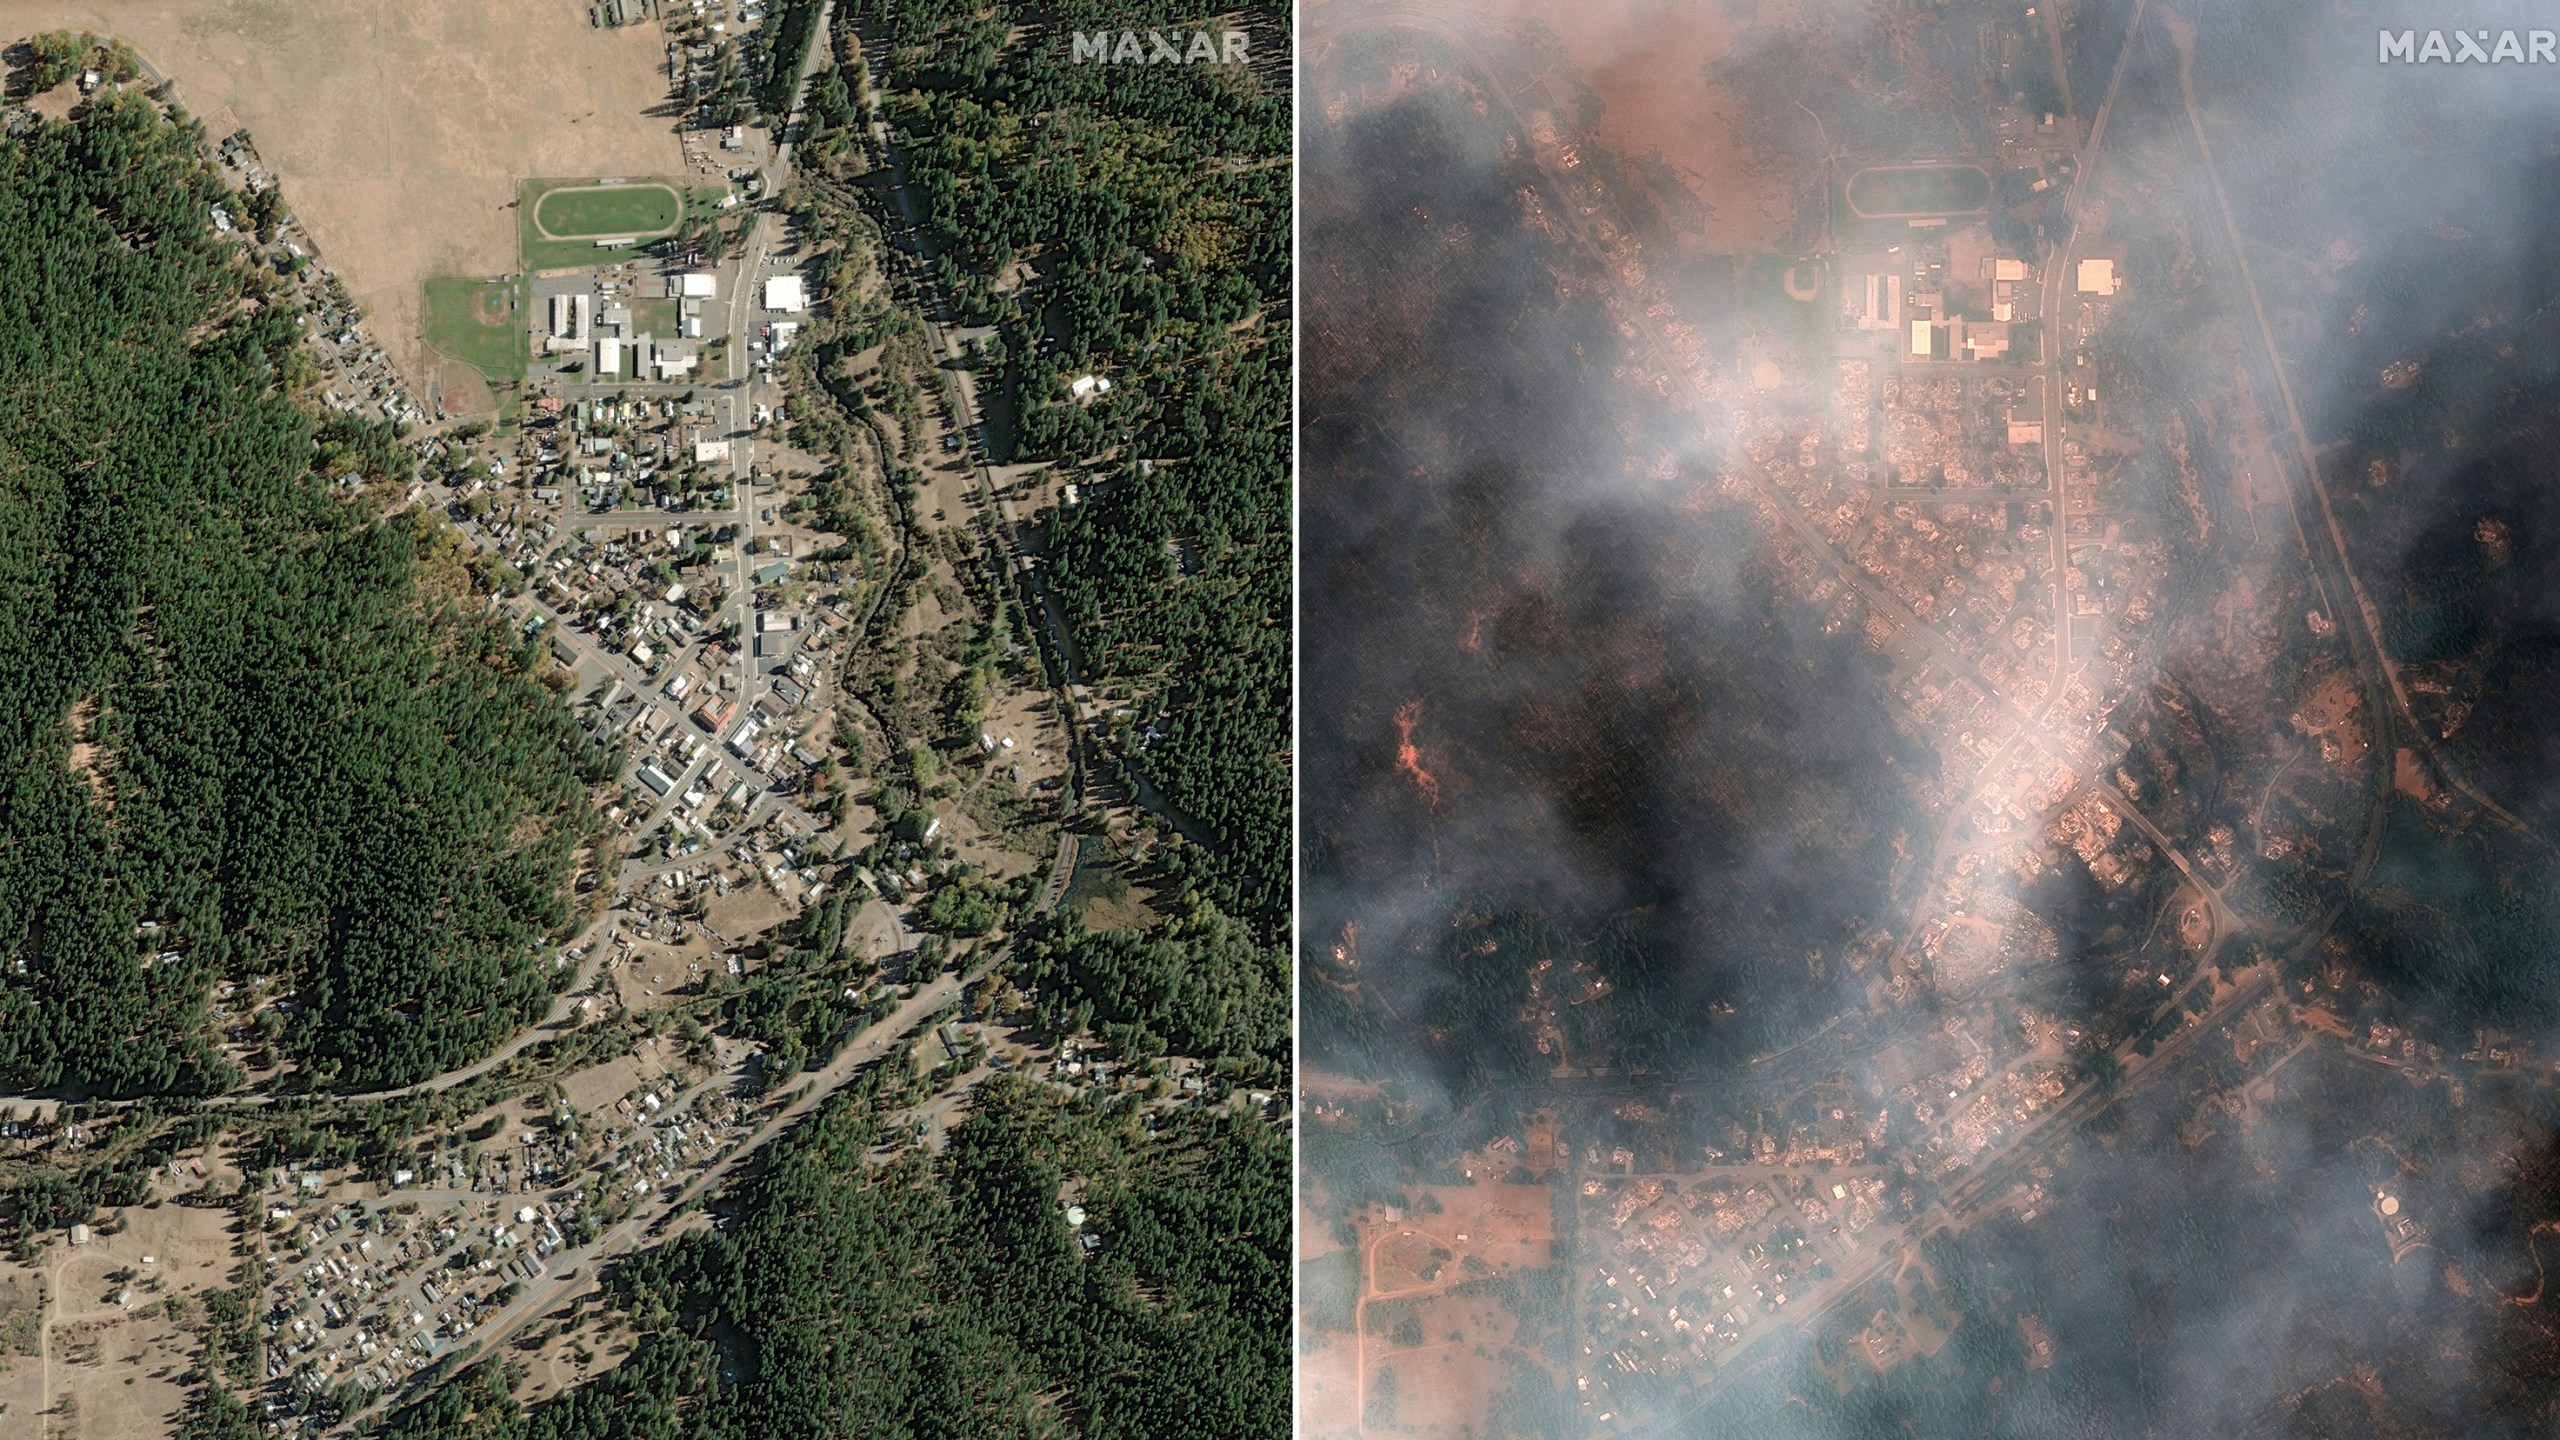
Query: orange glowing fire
(1409, 755)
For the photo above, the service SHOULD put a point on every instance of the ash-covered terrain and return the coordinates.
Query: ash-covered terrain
(1925, 642)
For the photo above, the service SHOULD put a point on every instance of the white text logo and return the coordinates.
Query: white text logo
(2471, 47)
(1160, 47)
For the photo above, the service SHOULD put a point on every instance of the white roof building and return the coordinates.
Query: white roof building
(707, 452)
(569, 319)
(698, 285)
(784, 293)
(671, 360)
(608, 357)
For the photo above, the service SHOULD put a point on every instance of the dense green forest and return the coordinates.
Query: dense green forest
(782, 46)
(948, 1295)
(1132, 222)
(237, 741)
(1197, 985)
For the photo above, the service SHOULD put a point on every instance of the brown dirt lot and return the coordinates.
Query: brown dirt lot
(651, 978)
(1446, 1385)
(123, 1383)
(1039, 742)
(21, 1376)
(190, 1247)
(949, 486)
(117, 1367)
(1508, 1227)
(1647, 62)
(400, 131)
(464, 389)
(556, 1366)
(926, 615)
(973, 843)
(1414, 1257)
(747, 911)
(1325, 1390)
(875, 927)
(595, 1088)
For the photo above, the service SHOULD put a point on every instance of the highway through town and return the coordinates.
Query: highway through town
(2333, 566)
(575, 1272)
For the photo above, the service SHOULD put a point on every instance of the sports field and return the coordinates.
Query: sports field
(608, 210)
(479, 322)
(1899, 190)
(563, 219)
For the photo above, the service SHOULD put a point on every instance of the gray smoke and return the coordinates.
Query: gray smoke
(1635, 746)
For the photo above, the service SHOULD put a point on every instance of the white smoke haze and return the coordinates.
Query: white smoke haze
(1575, 690)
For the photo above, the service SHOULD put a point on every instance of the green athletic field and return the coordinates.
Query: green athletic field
(561, 220)
(480, 322)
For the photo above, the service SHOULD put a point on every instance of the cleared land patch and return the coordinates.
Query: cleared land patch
(480, 323)
(656, 317)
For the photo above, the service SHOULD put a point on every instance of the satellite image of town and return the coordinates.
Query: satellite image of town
(1930, 658)
(644, 720)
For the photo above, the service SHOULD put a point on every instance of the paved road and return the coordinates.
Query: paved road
(2385, 694)
(563, 1009)
(573, 1272)
(1010, 532)
(2054, 375)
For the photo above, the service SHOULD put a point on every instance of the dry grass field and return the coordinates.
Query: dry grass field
(116, 1356)
(401, 132)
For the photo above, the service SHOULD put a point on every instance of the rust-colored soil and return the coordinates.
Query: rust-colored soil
(1647, 61)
